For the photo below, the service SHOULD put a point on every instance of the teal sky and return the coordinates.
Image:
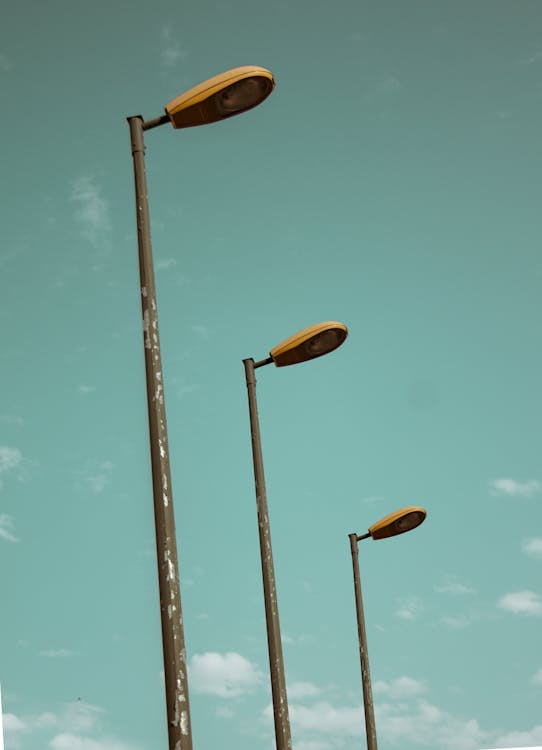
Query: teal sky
(391, 182)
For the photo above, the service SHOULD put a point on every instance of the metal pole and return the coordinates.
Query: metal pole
(276, 661)
(178, 709)
(370, 727)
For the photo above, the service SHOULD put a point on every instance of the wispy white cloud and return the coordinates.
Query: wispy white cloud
(227, 675)
(86, 388)
(409, 608)
(10, 458)
(455, 621)
(532, 547)
(388, 83)
(165, 264)
(514, 488)
(183, 388)
(5, 63)
(323, 717)
(384, 87)
(299, 690)
(400, 687)
(96, 475)
(454, 587)
(13, 723)
(536, 679)
(370, 499)
(225, 712)
(530, 739)
(201, 330)
(359, 36)
(404, 717)
(6, 528)
(315, 745)
(80, 716)
(91, 213)
(172, 50)
(10, 252)
(12, 419)
(532, 59)
(522, 603)
(67, 741)
(57, 653)
(422, 724)
(12, 462)
(78, 726)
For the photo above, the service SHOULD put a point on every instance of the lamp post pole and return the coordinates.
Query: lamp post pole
(307, 344)
(274, 643)
(175, 673)
(398, 522)
(370, 726)
(225, 95)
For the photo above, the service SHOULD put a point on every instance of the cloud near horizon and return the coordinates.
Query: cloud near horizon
(227, 675)
(76, 727)
(404, 715)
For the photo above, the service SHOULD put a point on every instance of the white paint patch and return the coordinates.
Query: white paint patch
(171, 570)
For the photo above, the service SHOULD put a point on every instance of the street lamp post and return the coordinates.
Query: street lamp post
(307, 344)
(395, 523)
(218, 98)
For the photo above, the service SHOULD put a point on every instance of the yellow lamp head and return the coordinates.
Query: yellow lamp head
(398, 522)
(309, 343)
(222, 96)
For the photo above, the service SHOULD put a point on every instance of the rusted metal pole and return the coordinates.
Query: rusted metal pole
(274, 643)
(370, 727)
(175, 672)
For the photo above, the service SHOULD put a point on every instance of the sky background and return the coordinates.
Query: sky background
(391, 182)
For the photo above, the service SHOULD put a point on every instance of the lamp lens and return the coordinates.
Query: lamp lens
(241, 95)
(324, 342)
(408, 522)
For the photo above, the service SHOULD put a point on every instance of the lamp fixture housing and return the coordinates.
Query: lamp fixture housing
(398, 522)
(309, 343)
(220, 97)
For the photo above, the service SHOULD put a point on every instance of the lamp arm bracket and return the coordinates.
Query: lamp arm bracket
(263, 362)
